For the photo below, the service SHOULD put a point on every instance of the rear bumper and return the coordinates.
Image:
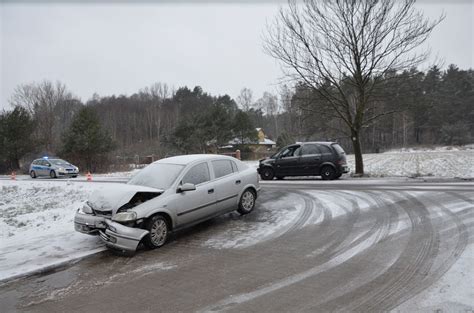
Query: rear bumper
(344, 169)
(113, 234)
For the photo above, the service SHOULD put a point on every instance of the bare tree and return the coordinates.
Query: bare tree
(44, 101)
(245, 99)
(342, 50)
(269, 104)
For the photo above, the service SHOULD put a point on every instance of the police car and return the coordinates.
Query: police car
(53, 168)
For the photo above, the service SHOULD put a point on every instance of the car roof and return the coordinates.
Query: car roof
(190, 158)
(317, 142)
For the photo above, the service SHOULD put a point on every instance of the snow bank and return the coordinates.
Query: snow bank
(36, 225)
(417, 164)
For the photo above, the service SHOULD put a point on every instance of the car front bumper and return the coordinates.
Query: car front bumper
(115, 235)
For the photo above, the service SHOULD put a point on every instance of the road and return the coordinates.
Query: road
(337, 246)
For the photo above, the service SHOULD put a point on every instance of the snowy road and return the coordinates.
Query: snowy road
(373, 245)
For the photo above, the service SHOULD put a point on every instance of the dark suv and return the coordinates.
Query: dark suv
(325, 159)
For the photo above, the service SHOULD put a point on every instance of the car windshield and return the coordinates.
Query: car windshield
(58, 162)
(157, 175)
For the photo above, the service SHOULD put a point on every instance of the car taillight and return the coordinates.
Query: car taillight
(341, 162)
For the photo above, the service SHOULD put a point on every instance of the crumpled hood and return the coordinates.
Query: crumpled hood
(113, 197)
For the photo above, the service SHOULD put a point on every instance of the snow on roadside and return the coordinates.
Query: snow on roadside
(36, 225)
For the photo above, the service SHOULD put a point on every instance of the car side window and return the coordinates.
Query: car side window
(325, 149)
(234, 167)
(222, 168)
(289, 152)
(310, 150)
(198, 174)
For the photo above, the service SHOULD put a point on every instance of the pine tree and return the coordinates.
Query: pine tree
(16, 129)
(86, 141)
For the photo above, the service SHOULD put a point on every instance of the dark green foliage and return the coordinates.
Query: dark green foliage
(16, 129)
(86, 142)
(284, 140)
(243, 128)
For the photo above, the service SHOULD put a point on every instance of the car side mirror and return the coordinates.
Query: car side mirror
(49, 165)
(186, 187)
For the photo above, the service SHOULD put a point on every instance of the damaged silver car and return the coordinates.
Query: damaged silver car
(168, 195)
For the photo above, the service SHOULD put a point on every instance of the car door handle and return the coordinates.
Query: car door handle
(210, 191)
(237, 182)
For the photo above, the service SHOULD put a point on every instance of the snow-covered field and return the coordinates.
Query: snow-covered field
(448, 163)
(36, 225)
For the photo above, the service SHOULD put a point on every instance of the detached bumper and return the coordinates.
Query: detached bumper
(115, 235)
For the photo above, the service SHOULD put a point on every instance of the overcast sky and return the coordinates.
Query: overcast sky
(118, 48)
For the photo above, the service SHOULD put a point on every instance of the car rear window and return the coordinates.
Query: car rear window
(309, 149)
(222, 168)
(325, 149)
(338, 148)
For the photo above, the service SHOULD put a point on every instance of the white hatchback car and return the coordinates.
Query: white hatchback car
(168, 195)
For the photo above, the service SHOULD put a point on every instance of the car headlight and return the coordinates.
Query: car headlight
(125, 216)
(61, 169)
(86, 208)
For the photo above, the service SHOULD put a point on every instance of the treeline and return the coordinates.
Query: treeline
(413, 108)
(410, 108)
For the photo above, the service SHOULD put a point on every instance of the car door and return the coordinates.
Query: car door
(44, 169)
(310, 159)
(227, 184)
(326, 155)
(198, 204)
(288, 162)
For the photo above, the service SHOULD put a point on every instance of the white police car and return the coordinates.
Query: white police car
(53, 168)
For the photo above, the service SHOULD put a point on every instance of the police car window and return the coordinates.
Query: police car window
(309, 150)
(222, 168)
(198, 174)
(325, 149)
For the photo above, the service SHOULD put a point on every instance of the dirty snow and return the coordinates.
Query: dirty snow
(274, 218)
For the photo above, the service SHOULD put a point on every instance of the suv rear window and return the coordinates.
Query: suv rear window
(338, 149)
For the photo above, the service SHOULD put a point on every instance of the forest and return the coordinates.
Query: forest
(411, 108)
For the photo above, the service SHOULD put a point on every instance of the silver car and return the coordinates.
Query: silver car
(53, 168)
(168, 195)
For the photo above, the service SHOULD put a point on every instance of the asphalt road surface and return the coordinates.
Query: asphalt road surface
(377, 246)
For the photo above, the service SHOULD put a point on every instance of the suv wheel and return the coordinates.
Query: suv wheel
(267, 173)
(328, 173)
(158, 232)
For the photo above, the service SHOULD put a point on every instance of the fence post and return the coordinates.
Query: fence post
(237, 154)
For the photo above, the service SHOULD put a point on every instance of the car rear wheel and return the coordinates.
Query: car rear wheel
(33, 174)
(267, 173)
(247, 202)
(52, 174)
(328, 173)
(158, 232)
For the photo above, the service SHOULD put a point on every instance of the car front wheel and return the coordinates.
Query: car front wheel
(52, 174)
(247, 202)
(33, 174)
(158, 232)
(267, 173)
